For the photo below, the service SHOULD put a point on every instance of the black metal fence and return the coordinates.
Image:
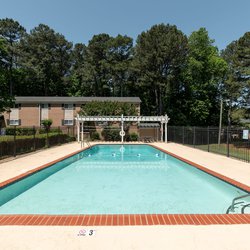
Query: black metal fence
(18, 140)
(232, 142)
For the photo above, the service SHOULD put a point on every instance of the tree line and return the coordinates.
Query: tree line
(183, 76)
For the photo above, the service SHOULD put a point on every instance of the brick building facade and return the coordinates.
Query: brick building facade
(31, 110)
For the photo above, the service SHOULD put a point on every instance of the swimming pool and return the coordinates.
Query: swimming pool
(115, 179)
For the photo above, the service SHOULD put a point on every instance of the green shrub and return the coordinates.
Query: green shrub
(10, 131)
(111, 134)
(52, 130)
(27, 131)
(19, 131)
(97, 108)
(95, 136)
(47, 124)
(133, 137)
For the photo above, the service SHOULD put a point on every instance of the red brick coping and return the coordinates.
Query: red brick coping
(126, 219)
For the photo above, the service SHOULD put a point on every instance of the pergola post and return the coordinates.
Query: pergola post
(166, 132)
(161, 131)
(122, 129)
(82, 133)
(157, 133)
(166, 128)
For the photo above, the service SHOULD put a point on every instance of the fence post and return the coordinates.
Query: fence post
(208, 142)
(183, 135)
(228, 153)
(34, 138)
(194, 137)
(47, 137)
(14, 150)
(174, 134)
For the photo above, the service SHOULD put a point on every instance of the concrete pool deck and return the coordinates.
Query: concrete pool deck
(128, 237)
(234, 237)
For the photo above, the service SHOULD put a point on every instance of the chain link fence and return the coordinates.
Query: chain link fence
(232, 142)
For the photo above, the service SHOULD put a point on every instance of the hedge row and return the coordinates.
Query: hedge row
(20, 146)
(29, 131)
(114, 135)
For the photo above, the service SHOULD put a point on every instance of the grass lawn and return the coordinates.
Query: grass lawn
(241, 153)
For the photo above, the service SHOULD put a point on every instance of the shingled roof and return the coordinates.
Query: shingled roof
(75, 100)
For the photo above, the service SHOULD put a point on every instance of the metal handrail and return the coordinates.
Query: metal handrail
(87, 142)
(238, 198)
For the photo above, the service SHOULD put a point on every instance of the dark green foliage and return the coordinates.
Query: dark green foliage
(46, 59)
(78, 85)
(96, 68)
(104, 66)
(108, 108)
(19, 131)
(94, 136)
(111, 134)
(30, 131)
(6, 99)
(51, 130)
(59, 139)
(160, 56)
(11, 32)
(119, 61)
(133, 137)
(47, 124)
(243, 52)
(236, 86)
(204, 72)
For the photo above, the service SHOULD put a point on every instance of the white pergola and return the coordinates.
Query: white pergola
(81, 119)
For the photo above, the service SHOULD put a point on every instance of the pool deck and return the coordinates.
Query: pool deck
(183, 235)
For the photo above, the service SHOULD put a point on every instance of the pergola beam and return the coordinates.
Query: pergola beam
(162, 119)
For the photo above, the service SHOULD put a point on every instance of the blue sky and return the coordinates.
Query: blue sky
(79, 20)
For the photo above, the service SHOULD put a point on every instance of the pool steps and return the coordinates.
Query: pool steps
(241, 206)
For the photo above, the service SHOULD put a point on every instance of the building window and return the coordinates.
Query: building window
(44, 106)
(14, 122)
(17, 106)
(68, 106)
(68, 122)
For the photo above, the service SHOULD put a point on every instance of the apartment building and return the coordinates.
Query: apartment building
(31, 110)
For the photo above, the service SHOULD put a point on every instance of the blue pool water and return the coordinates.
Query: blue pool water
(115, 179)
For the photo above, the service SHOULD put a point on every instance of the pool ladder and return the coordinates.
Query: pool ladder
(87, 142)
(232, 206)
